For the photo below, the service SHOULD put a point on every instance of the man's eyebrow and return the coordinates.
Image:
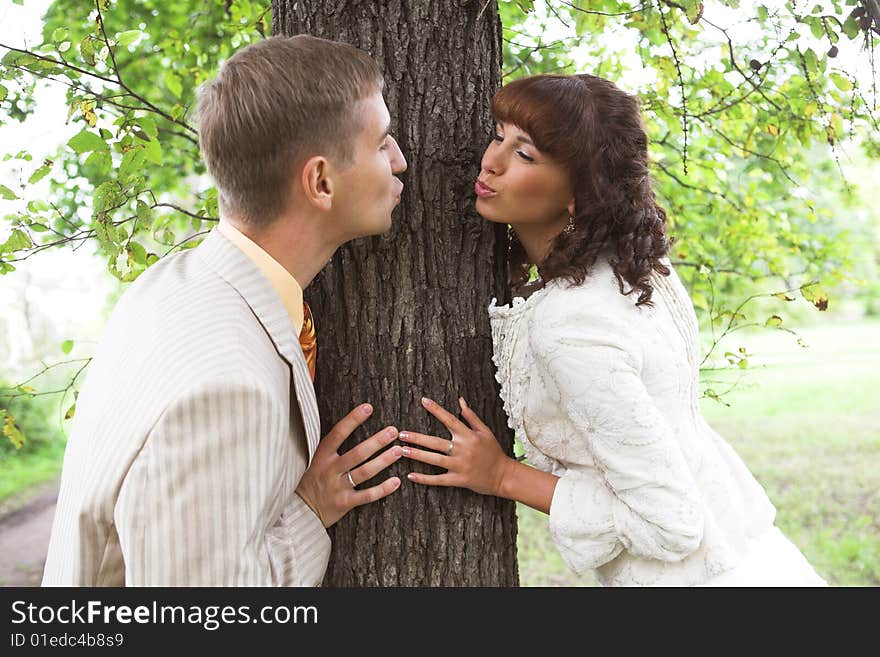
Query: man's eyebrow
(386, 133)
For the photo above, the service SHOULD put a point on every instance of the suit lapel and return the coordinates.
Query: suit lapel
(241, 273)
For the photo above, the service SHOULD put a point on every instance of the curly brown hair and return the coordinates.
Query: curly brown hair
(595, 130)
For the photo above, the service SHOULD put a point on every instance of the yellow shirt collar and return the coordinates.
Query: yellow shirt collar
(281, 279)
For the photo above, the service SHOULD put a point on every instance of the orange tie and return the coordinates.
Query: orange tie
(308, 340)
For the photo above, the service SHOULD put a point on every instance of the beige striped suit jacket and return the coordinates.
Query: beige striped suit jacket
(193, 428)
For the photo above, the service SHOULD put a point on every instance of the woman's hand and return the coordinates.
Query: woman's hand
(471, 456)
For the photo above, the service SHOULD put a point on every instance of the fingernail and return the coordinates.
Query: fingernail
(403, 435)
(426, 401)
(366, 409)
(391, 432)
(395, 482)
(462, 403)
(403, 450)
(411, 476)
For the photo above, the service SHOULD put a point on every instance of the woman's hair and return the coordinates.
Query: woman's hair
(595, 130)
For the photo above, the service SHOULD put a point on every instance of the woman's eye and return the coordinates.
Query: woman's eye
(527, 158)
(499, 137)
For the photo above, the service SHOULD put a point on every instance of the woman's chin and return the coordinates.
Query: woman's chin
(487, 213)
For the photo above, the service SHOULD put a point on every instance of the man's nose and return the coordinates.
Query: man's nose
(398, 161)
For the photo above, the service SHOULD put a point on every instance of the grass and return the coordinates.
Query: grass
(24, 471)
(804, 421)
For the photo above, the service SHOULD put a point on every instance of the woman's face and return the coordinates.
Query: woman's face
(520, 185)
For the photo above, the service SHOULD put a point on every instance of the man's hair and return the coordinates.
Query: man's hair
(272, 105)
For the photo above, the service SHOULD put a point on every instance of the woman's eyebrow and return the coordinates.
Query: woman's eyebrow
(525, 140)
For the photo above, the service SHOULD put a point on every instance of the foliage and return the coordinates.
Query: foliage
(747, 109)
(131, 178)
(747, 115)
(25, 424)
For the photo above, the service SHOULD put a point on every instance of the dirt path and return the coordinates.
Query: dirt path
(25, 524)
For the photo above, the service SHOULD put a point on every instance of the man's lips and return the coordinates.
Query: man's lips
(483, 190)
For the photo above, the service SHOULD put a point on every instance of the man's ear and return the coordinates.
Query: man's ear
(317, 183)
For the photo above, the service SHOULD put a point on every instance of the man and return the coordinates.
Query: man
(194, 457)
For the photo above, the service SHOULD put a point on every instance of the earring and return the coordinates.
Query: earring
(569, 228)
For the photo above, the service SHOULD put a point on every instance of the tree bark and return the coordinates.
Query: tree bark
(403, 315)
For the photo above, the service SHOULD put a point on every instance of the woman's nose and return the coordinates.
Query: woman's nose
(491, 162)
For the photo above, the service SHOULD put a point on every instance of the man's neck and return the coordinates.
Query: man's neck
(294, 243)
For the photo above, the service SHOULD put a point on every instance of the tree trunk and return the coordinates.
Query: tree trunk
(403, 315)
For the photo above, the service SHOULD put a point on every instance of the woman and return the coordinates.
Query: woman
(599, 366)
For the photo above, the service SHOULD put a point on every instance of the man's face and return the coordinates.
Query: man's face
(368, 190)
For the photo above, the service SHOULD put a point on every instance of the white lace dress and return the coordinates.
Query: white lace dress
(604, 395)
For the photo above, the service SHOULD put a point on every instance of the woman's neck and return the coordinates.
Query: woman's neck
(537, 239)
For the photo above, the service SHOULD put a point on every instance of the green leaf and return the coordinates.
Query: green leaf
(811, 60)
(128, 37)
(137, 253)
(17, 241)
(67, 346)
(104, 196)
(694, 10)
(7, 194)
(172, 81)
(41, 173)
(3, 93)
(152, 259)
(132, 162)
(38, 228)
(841, 82)
(101, 160)
(153, 152)
(70, 412)
(851, 27)
(86, 142)
(816, 295)
(87, 50)
(773, 321)
(60, 34)
(148, 126)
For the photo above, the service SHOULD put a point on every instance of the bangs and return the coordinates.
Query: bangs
(539, 106)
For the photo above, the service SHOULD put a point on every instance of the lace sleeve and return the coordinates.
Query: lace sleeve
(641, 497)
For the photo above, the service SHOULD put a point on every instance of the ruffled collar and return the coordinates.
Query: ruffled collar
(518, 305)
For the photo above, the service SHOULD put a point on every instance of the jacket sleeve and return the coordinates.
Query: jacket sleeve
(640, 497)
(209, 502)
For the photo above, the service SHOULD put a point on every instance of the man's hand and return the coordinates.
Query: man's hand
(325, 486)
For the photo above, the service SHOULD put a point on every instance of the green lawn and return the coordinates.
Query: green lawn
(805, 421)
(24, 471)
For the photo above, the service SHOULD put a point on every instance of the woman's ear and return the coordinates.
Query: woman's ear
(317, 184)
